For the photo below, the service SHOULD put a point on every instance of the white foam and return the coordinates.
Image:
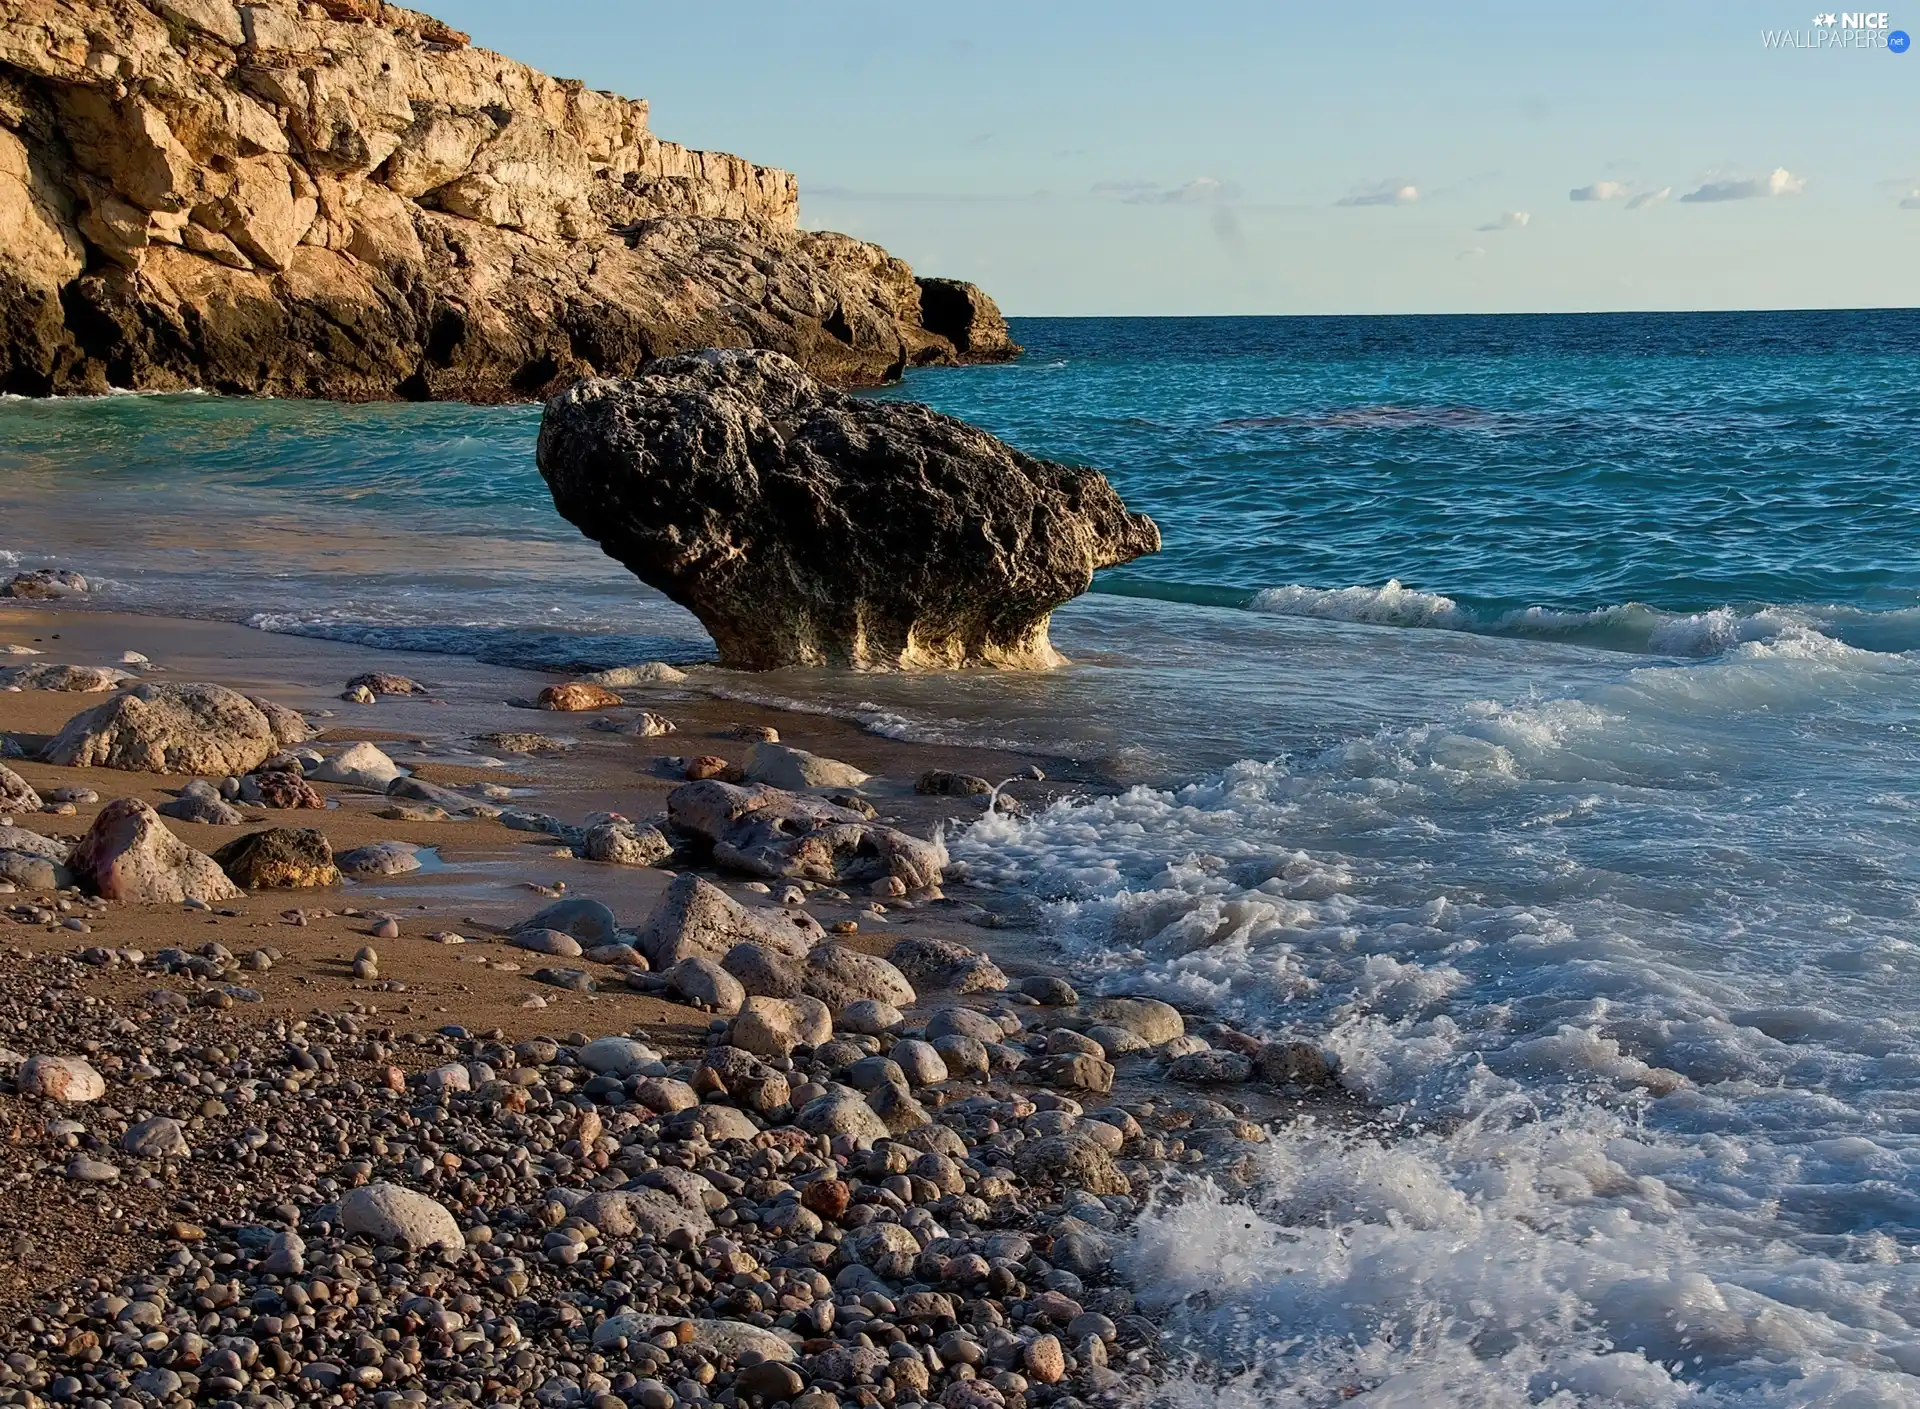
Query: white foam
(1390, 605)
(1630, 626)
(1641, 953)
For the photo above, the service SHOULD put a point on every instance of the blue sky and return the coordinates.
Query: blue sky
(1220, 157)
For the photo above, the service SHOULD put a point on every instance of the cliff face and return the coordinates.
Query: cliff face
(345, 199)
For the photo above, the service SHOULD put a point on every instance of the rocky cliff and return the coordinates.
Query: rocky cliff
(346, 199)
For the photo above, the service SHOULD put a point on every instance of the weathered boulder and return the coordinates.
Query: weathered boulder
(730, 1339)
(617, 1056)
(41, 584)
(347, 200)
(65, 679)
(627, 1213)
(380, 858)
(773, 1027)
(16, 794)
(780, 766)
(280, 789)
(703, 982)
(696, 917)
(626, 844)
(199, 801)
(280, 858)
(943, 963)
(172, 728)
(358, 766)
(794, 836)
(70, 1079)
(840, 977)
(31, 871)
(1071, 1160)
(397, 1217)
(806, 527)
(766, 971)
(577, 695)
(587, 920)
(128, 854)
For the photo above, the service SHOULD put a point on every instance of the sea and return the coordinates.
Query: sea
(1527, 709)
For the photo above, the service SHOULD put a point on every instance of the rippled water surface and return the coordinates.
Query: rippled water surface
(1528, 708)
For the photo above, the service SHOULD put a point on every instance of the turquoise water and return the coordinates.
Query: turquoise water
(1526, 708)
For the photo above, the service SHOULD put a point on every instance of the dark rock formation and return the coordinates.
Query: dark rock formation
(347, 200)
(806, 527)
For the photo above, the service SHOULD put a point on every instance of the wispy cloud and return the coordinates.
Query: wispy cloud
(1382, 193)
(1599, 191)
(1472, 252)
(1506, 220)
(1202, 190)
(854, 196)
(1778, 182)
(1911, 201)
(1647, 198)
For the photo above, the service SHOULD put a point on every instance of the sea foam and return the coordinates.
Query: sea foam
(1643, 1039)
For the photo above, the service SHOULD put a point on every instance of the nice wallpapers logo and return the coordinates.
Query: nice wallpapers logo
(1841, 30)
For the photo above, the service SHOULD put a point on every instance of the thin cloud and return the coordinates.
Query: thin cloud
(1472, 252)
(1506, 220)
(1778, 182)
(1647, 198)
(1382, 193)
(1202, 190)
(1599, 191)
(1911, 201)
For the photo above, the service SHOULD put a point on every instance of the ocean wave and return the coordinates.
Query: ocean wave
(1657, 1140)
(1634, 627)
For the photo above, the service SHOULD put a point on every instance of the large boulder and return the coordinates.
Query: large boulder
(806, 527)
(696, 919)
(793, 836)
(280, 858)
(128, 854)
(169, 728)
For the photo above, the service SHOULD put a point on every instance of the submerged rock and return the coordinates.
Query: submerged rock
(45, 584)
(806, 527)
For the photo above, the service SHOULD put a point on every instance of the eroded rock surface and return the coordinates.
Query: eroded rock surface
(350, 201)
(167, 728)
(794, 836)
(807, 527)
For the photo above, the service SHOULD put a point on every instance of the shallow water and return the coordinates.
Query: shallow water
(1529, 708)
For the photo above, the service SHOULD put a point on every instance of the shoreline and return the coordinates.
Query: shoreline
(78, 985)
